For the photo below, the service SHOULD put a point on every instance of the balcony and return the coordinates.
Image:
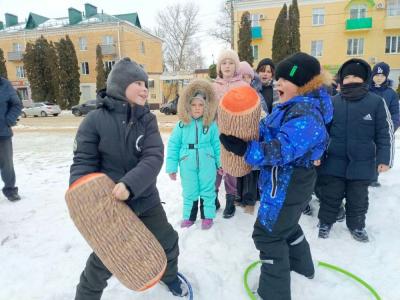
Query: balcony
(392, 22)
(108, 49)
(359, 24)
(15, 56)
(256, 33)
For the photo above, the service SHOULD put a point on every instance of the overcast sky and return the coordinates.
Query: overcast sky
(147, 10)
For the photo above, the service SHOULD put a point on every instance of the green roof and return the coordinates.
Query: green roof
(34, 21)
(133, 18)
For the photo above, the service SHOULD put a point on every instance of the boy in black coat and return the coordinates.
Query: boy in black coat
(361, 138)
(121, 139)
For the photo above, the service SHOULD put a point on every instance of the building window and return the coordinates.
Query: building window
(358, 11)
(392, 44)
(109, 64)
(108, 40)
(355, 46)
(255, 51)
(151, 83)
(318, 16)
(20, 72)
(393, 7)
(255, 20)
(316, 48)
(17, 47)
(142, 48)
(82, 43)
(85, 68)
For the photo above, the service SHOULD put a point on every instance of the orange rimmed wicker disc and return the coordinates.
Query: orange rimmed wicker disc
(118, 237)
(239, 115)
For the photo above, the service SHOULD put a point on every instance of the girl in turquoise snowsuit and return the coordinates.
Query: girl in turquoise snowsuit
(194, 146)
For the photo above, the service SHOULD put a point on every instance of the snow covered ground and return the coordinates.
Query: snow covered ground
(42, 254)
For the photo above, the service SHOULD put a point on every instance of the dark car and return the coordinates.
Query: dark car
(170, 108)
(84, 108)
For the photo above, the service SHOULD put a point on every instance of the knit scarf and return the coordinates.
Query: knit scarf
(354, 91)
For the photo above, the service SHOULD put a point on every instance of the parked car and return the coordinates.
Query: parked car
(170, 108)
(84, 108)
(42, 109)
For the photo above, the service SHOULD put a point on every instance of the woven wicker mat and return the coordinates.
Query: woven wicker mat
(122, 242)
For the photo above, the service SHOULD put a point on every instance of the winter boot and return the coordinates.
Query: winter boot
(186, 223)
(341, 214)
(324, 229)
(360, 235)
(13, 197)
(178, 288)
(307, 211)
(375, 184)
(230, 208)
(206, 224)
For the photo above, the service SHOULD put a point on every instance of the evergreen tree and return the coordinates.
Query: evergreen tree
(53, 70)
(101, 73)
(212, 71)
(69, 73)
(39, 63)
(294, 28)
(244, 43)
(280, 40)
(3, 69)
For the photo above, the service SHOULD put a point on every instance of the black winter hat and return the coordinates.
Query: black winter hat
(265, 62)
(381, 68)
(123, 73)
(300, 68)
(356, 67)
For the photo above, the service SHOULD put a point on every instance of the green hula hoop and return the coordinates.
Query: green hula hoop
(320, 264)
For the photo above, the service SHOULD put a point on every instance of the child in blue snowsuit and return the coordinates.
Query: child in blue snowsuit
(194, 147)
(291, 138)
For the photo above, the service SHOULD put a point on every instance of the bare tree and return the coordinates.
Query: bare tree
(177, 26)
(223, 28)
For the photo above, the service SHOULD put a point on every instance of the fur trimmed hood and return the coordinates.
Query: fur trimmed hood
(323, 79)
(211, 103)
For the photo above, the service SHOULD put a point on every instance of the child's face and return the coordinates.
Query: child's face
(265, 74)
(228, 68)
(196, 108)
(379, 79)
(247, 78)
(286, 90)
(137, 93)
(352, 79)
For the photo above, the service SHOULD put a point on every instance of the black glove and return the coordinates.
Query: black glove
(233, 144)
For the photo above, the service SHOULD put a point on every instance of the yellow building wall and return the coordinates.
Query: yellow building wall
(333, 33)
(127, 42)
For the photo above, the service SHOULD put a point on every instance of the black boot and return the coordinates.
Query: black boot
(13, 196)
(307, 211)
(341, 215)
(324, 229)
(360, 235)
(230, 208)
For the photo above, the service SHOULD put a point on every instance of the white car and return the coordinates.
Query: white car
(42, 109)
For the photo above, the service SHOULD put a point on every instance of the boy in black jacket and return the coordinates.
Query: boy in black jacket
(121, 139)
(361, 138)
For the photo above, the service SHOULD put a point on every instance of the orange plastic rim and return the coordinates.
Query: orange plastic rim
(154, 281)
(240, 99)
(84, 179)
